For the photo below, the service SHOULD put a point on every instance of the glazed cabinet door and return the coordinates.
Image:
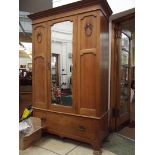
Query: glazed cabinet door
(62, 79)
(87, 62)
(39, 66)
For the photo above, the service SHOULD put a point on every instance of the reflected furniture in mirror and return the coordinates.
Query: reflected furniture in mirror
(70, 70)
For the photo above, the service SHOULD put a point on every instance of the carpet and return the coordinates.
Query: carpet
(119, 145)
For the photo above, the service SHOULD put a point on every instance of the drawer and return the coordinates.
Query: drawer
(71, 125)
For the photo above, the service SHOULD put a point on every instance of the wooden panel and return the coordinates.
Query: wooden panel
(87, 62)
(67, 124)
(88, 32)
(39, 79)
(39, 38)
(104, 63)
(39, 66)
(87, 81)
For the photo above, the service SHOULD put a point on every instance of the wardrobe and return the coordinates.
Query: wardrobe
(70, 70)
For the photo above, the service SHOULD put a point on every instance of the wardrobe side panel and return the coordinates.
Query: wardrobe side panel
(104, 63)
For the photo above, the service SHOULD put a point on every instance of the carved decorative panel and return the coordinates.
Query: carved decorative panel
(88, 33)
(40, 40)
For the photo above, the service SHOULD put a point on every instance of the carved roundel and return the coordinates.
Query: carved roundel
(39, 37)
(88, 29)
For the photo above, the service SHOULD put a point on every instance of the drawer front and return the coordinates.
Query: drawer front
(71, 125)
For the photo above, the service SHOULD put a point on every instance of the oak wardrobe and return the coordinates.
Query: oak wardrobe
(70, 70)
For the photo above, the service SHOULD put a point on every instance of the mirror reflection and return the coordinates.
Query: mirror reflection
(61, 63)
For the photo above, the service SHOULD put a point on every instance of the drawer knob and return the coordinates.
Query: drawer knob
(82, 128)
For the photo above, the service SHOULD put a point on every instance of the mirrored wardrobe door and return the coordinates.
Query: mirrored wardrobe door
(61, 63)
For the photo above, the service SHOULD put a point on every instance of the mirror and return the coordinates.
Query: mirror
(61, 63)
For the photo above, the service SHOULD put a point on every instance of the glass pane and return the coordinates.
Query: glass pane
(61, 63)
(124, 91)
